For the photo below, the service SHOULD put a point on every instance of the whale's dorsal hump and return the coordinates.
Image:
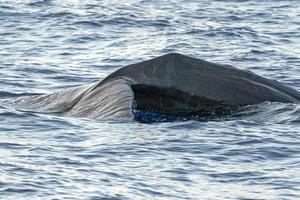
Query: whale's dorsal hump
(171, 84)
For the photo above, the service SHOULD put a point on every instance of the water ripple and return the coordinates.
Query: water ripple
(47, 45)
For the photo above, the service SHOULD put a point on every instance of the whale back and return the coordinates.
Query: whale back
(172, 83)
(177, 82)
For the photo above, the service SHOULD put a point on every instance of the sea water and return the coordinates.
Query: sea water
(46, 46)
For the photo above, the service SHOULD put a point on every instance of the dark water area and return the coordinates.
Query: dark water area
(49, 45)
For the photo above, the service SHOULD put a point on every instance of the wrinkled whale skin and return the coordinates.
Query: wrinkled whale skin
(172, 83)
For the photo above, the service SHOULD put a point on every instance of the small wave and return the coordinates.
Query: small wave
(84, 39)
(231, 32)
(40, 3)
(63, 14)
(271, 112)
(89, 24)
(4, 94)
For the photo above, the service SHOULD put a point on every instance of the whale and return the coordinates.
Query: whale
(169, 84)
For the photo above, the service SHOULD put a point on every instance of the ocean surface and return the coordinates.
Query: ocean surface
(46, 46)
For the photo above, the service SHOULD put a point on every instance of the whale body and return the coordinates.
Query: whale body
(169, 84)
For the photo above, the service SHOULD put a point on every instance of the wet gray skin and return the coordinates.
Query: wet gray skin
(170, 84)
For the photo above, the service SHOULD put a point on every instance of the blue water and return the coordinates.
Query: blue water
(49, 45)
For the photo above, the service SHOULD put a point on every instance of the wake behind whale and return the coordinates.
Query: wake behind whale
(172, 84)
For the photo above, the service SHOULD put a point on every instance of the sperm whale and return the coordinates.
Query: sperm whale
(169, 84)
